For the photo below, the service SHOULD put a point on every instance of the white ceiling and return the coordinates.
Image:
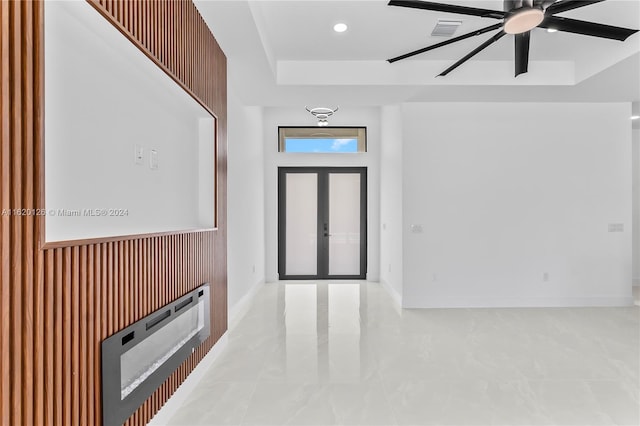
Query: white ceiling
(286, 53)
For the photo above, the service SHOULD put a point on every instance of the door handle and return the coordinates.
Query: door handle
(326, 230)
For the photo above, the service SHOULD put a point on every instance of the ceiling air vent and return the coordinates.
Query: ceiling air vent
(445, 28)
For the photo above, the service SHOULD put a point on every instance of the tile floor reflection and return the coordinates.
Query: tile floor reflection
(342, 353)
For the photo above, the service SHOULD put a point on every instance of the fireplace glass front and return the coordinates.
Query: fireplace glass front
(143, 359)
(139, 358)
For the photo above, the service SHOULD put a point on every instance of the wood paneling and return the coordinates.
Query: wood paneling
(100, 289)
(59, 302)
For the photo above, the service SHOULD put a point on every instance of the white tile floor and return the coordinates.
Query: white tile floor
(341, 353)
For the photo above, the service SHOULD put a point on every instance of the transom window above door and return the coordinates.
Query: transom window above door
(324, 140)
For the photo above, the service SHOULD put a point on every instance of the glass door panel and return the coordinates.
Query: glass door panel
(302, 223)
(344, 223)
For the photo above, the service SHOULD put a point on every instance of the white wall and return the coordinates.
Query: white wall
(391, 200)
(246, 230)
(346, 116)
(103, 97)
(636, 206)
(505, 193)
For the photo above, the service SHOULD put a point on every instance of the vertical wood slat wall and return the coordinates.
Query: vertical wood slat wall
(58, 304)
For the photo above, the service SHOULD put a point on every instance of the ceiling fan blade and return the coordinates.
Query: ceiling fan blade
(473, 53)
(522, 52)
(444, 43)
(439, 7)
(565, 5)
(587, 28)
(543, 4)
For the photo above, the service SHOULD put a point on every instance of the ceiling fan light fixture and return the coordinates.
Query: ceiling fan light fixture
(518, 17)
(523, 20)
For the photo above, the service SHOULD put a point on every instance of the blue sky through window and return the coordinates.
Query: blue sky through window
(321, 145)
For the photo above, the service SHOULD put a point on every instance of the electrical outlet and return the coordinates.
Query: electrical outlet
(434, 278)
(253, 269)
(417, 229)
(545, 277)
(389, 268)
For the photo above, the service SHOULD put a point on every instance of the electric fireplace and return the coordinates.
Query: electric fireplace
(139, 358)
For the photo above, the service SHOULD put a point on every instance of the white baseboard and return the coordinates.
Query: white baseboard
(392, 292)
(179, 397)
(562, 302)
(235, 312)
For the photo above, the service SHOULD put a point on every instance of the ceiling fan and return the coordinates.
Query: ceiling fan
(518, 18)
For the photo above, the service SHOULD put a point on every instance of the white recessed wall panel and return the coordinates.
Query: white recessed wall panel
(103, 98)
(245, 201)
(391, 200)
(515, 202)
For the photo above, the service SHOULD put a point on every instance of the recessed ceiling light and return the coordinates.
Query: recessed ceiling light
(635, 117)
(552, 30)
(340, 27)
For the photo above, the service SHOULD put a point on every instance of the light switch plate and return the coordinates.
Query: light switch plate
(153, 160)
(416, 229)
(616, 227)
(138, 154)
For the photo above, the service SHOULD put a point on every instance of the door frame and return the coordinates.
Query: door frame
(322, 219)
